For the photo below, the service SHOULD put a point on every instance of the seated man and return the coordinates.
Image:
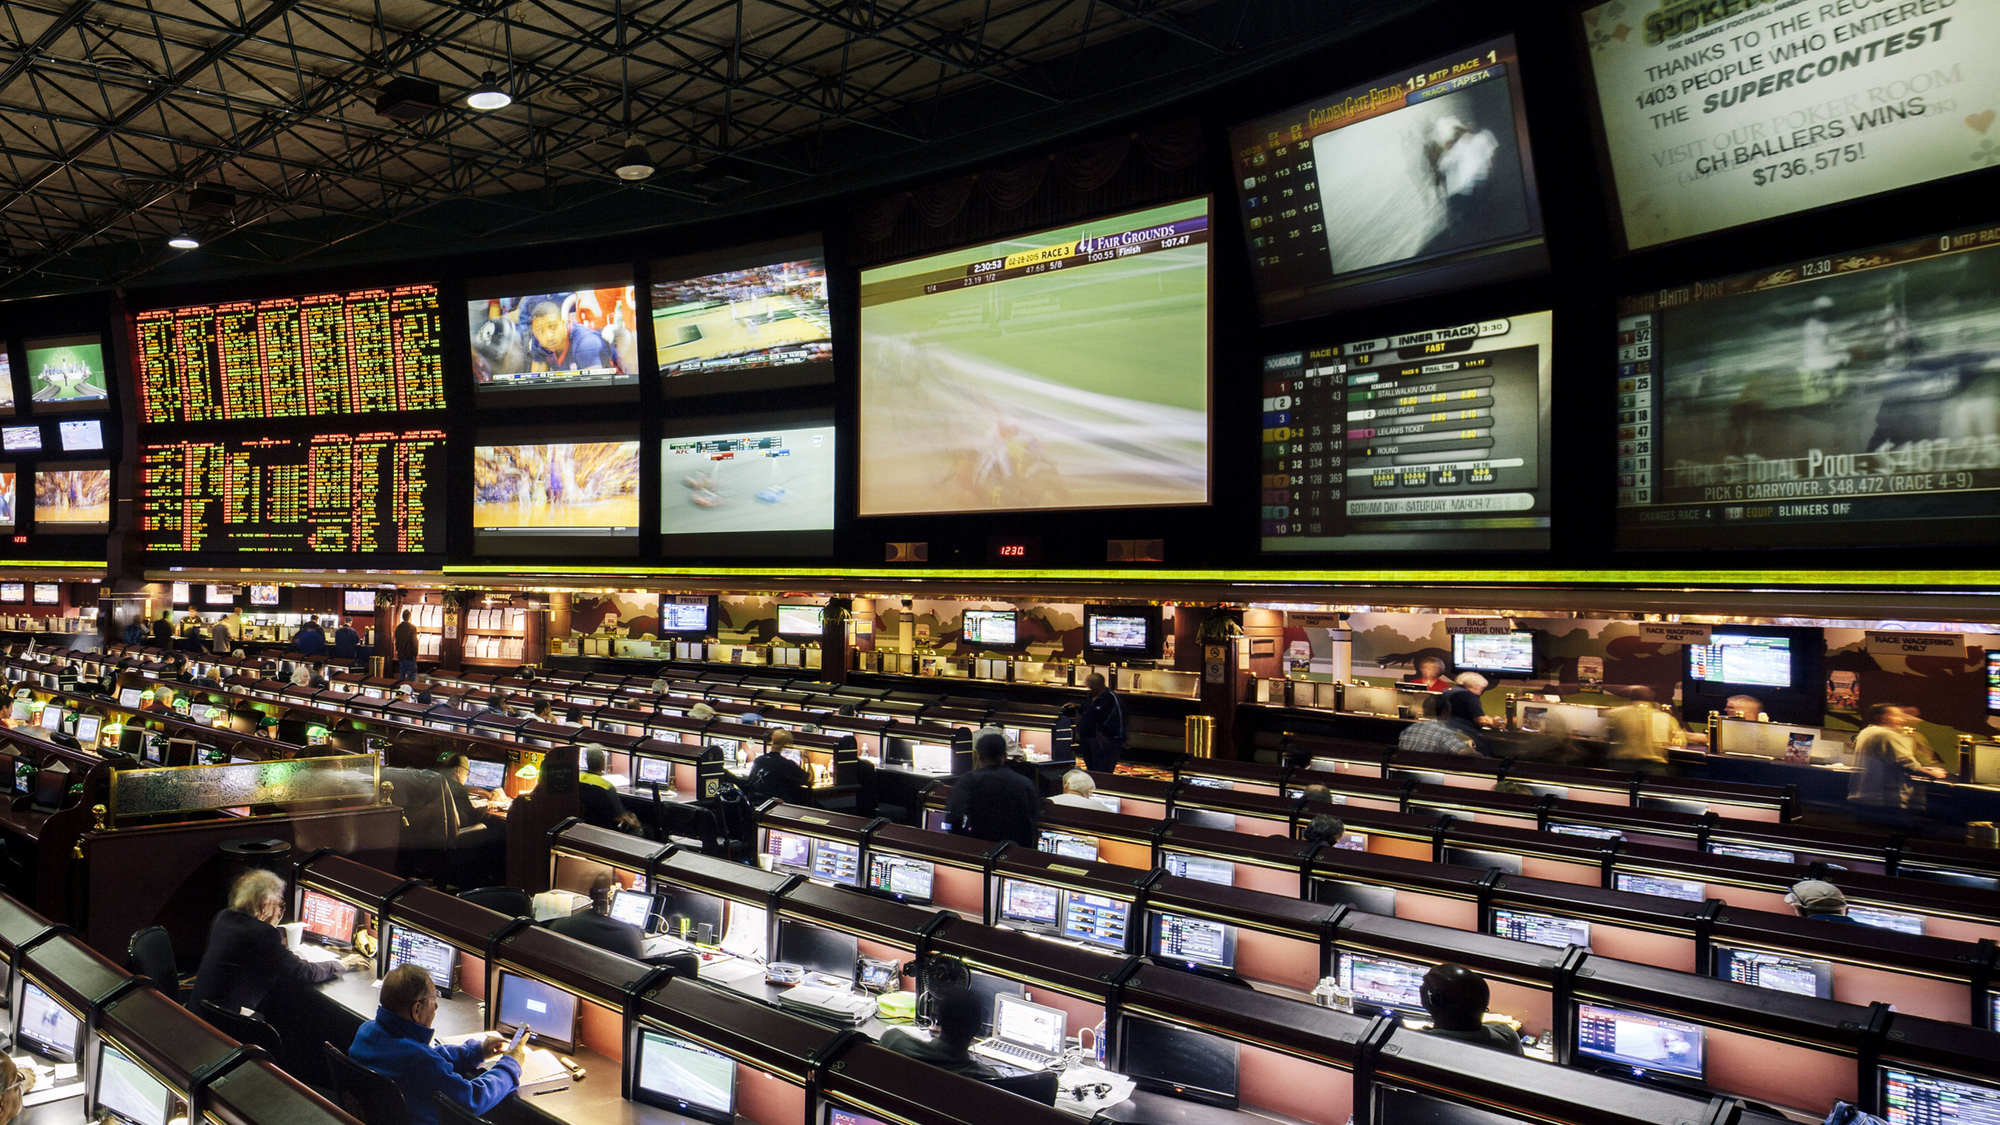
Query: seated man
(1819, 900)
(1456, 998)
(1435, 733)
(993, 802)
(397, 1045)
(594, 925)
(777, 773)
(1079, 792)
(246, 963)
(958, 1014)
(598, 799)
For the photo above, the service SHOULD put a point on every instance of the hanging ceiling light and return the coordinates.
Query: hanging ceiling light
(634, 164)
(488, 95)
(184, 241)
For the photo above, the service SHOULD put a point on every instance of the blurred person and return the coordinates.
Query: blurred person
(15, 1083)
(222, 635)
(397, 1044)
(1553, 743)
(310, 640)
(1743, 707)
(992, 802)
(1636, 734)
(1079, 792)
(246, 963)
(346, 642)
(1429, 673)
(1882, 788)
(1456, 998)
(1316, 794)
(594, 924)
(163, 629)
(1436, 733)
(1463, 702)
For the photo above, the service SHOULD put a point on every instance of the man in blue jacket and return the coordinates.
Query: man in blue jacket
(397, 1044)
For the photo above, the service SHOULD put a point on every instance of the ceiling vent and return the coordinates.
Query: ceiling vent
(408, 99)
(211, 199)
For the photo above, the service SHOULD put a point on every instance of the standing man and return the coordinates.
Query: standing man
(1882, 790)
(310, 640)
(222, 635)
(1100, 729)
(993, 802)
(163, 629)
(397, 1045)
(346, 642)
(1642, 734)
(406, 648)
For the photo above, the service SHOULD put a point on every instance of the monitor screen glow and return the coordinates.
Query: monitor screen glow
(801, 620)
(556, 495)
(1639, 1040)
(1730, 658)
(1032, 904)
(128, 1092)
(1189, 940)
(549, 1011)
(994, 627)
(1383, 981)
(47, 1027)
(1118, 633)
(756, 326)
(573, 341)
(683, 1076)
(1506, 653)
(81, 436)
(21, 439)
(438, 958)
(67, 373)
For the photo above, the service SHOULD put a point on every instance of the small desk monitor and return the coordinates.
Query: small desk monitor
(1096, 919)
(47, 1028)
(656, 771)
(1383, 982)
(1745, 851)
(1218, 871)
(1167, 1059)
(1393, 1104)
(328, 918)
(836, 862)
(1590, 830)
(1069, 844)
(127, 1092)
(1779, 972)
(1195, 943)
(1206, 818)
(128, 697)
(790, 852)
(931, 757)
(1038, 1028)
(1469, 857)
(986, 986)
(87, 727)
(634, 908)
(409, 947)
(1688, 890)
(817, 948)
(1360, 896)
(1887, 919)
(549, 1012)
(52, 718)
(1029, 904)
(486, 775)
(900, 877)
(1638, 1040)
(684, 1077)
(1541, 929)
(1913, 1097)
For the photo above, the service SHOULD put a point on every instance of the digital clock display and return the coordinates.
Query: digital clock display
(1014, 549)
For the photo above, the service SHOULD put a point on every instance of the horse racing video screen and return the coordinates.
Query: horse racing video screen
(1852, 399)
(572, 490)
(573, 338)
(1436, 439)
(1418, 181)
(752, 489)
(753, 320)
(1068, 368)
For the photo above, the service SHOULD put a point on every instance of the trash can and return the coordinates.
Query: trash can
(249, 852)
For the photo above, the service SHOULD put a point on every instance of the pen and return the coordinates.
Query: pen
(557, 1090)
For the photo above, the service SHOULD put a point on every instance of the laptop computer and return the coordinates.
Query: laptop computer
(1027, 1036)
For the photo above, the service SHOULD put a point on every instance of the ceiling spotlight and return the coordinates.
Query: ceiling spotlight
(488, 95)
(184, 241)
(634, 165)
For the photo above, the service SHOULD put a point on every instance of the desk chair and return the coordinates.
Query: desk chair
(683, 963)
(451, 1113)
(511, 901)
(370, 1097)
(1039, 1086)
(150, 954)
(253, 1029)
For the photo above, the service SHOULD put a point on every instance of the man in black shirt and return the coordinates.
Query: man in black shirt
(597, 927)
(246, 964)
(993, 802)
(1456, 998)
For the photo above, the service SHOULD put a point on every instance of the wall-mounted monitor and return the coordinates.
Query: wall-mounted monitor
(263, 595)
(1743, 660)
(1121, 631)
(569, 337)
(74, 499)
(10, 498)
(571, 490)
(1415, 181)
(357, 601)
(728, 487)
(1433, 439)
(1828, 402)
(6, 381)
(991, 628)
(372, 351)
(14, 593)
(684, 613)
(324, 494)
(84, 435)
(1712, 117)
(21, 439)
(1064, 368)
(748, 319)
(801, 620)
(1639, 1040)
(180, 593)
(219, 595)
(67, 373)
(1503, 654)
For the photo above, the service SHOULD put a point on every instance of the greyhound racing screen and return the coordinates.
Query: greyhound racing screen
(1852, 399)
(1418, 181)
(1426, 440)
(1066, 368)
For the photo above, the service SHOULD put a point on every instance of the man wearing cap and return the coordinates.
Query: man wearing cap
(993, 802)
(1820, 901)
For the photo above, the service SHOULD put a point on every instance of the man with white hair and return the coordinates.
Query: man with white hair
(1464, 708)
(246, 961)
(1079, 792)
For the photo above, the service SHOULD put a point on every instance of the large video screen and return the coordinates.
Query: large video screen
(1062, 369)
(73, 500)
(1417, 181)
(545, 338)
(1848, 400)
(1717, 115)
(324, 494)
(573, 491)
(6, 381)
(752, 319)
(372, 351)
(763, 490)
(67, 373)
(1430, 440)
(10, 482)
